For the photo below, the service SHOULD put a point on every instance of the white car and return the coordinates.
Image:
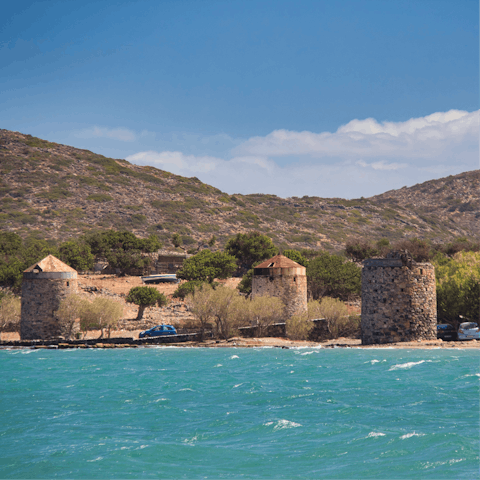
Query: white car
(468, 331)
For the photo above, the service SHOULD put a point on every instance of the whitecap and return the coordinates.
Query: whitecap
(238, 385)
(186, 390)
(95, 459)
(191, 441)
(413, 434)
(218, 365)
(234, 356)
(375, 434)
(282, 424)
(306, 353)
(405, 365)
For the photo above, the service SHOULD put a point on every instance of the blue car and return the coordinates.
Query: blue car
(159, 330)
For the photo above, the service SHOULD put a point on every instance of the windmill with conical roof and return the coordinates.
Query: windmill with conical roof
(283, 278)
(44, 285)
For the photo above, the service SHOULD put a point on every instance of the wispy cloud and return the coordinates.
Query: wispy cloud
(121, 134)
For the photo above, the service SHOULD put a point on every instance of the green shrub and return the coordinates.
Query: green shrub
(100, 197)
(55, 193)
(187, 288)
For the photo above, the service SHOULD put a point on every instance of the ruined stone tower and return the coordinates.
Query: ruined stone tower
(281, 277)
(398, 300)
(44, 285)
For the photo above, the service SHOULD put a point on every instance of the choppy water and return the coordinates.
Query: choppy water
(239, 413)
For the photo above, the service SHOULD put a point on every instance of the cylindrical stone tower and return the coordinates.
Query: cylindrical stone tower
(44, 285)
(281, 277)
(399, 301)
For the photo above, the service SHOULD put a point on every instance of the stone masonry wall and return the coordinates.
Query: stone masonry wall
(291, 289)
(40, 299)
(398, 301)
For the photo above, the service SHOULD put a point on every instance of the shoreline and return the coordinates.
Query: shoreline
(235, 342)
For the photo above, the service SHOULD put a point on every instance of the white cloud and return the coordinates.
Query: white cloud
(362, 158)
(122, 134)
(424, 137)
(175, 162)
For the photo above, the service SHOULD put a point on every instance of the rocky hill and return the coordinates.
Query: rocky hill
(56, 191)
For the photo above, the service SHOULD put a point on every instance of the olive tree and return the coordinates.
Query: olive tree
(102, 313)
(145, 297)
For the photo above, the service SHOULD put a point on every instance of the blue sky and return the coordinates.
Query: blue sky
(328, 98)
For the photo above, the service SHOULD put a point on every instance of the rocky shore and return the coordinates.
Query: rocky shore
(190, 341)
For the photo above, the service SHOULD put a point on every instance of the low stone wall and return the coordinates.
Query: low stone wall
(275, 330)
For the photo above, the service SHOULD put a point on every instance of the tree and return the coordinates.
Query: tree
(15, 257)
(420, 250)
(206, 266)
(177, 240)
(10, 310)
(298, 327)
(10, 243)
(249, 248)
(331, 275)
(145, 297)
(108, 313)
(264, 311)
(102, 313)
(76, 254)
(188, 288)
(228, 311)
(245, 285)
(122, 250)
(200, 303)
(68, 312)
(296, 256)
(359, 250)
(458, 286)
(124, 261)
(334, 311)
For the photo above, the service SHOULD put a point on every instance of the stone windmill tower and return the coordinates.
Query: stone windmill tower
(283, 278)
(44, 285)
(399, 302)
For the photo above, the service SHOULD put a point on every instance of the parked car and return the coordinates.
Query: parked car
(447, 332)
(468, 331)
(159, 330)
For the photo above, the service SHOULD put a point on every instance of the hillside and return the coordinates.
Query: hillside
(56, 191)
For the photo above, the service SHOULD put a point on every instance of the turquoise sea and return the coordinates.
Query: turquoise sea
(240, 413)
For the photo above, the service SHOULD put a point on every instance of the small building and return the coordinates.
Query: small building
(399, 301)
(283, 278)
(44, 285)
(169, 262)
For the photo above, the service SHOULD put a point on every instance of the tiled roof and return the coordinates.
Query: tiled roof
(51, 264)
(279, 261)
